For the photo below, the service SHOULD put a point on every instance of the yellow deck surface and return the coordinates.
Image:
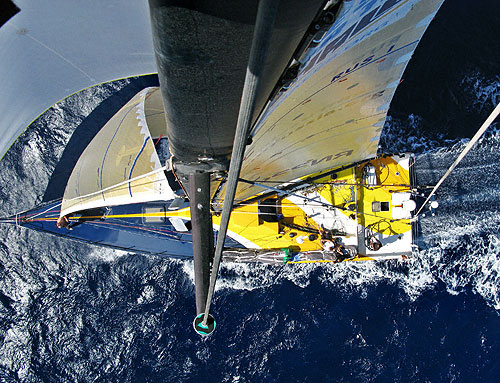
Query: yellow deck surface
(345, 191)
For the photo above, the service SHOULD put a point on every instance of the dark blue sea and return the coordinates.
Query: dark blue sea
(76, 313)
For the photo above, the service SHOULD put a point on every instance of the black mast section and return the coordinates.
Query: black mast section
(263, 29)
(202, 49)
(203, 238)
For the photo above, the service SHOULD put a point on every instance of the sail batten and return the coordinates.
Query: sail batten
(120, 166)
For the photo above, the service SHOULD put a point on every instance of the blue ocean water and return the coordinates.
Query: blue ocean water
(75, 313)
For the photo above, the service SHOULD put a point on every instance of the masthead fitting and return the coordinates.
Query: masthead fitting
(204, 329)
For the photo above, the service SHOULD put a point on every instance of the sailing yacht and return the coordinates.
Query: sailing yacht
(271, 113)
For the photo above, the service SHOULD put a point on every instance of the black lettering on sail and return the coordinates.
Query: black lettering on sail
(336, 77)
(345, 153)
(332, 46)
(367, 60)
(326, 159)
(351, 69)
(313, 162)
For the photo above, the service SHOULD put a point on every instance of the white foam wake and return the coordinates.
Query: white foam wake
(460, 245)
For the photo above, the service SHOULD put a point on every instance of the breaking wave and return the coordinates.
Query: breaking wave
(484, 93)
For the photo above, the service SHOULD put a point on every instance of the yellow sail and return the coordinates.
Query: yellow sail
(120, 166)
(155, 113)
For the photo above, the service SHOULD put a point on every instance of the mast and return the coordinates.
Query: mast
(202, 50)
(205, 324)
(203, 246)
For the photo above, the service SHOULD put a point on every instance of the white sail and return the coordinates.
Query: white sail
(120, 166)
(335, 110)
(51, 49)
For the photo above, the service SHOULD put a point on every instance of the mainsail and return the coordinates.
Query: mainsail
(335, 110)
(120, 166)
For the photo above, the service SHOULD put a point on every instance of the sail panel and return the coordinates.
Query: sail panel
(334, 112)
(51, 49)
(120, 165)
(155, 113)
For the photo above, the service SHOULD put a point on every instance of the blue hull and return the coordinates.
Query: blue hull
(131, 234)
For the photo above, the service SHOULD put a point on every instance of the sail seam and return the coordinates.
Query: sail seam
(159, 170)
(106, 152)
(133, 165)
(324, 87)
(93, 80)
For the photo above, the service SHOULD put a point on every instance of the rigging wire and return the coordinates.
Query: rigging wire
(43, 212)
(284, 192)
(466, 150)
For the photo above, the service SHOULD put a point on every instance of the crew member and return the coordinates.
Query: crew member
(63, 222)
